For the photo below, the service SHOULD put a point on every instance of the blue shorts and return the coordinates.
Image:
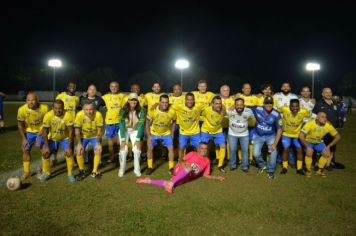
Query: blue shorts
(194, 140)
(319, 147)
(167, 140)
(54, 145)
(219, 138)
(86, 141)
(286, 142)
(112, 130)
(34, 138)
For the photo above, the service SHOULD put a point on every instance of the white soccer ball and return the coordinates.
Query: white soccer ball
(13, 183)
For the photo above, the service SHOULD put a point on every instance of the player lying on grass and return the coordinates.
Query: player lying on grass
(193, 165)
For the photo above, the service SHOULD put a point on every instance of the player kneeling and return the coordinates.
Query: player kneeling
(57, 131)
(88, 129)
(312, 136)
(193, 165)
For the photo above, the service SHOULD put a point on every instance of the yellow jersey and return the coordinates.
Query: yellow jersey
(177, 100)
(70, 102)
(188, 118)
(151, 99)
(113, 103)
(315, 133)
(161, 121)
(250, 101)
(213, 121)
(203, 98)
(228, 103)
(89, 126)
(292, 125)
(33, 118)
(57, 126)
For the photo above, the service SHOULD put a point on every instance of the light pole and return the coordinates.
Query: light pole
(312, 67)
(54, 63)
(181, 65)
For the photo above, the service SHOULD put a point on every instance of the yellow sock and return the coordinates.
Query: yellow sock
(322, 162)
(97, 159)
(285, 164)
(227, 151)
(250, 151)
(70, 164)
(26, 166)
(150, 163)
(308, 162)
(170, 164)
(239, 153)
(221, 156)
(299, 165)
(46, 166)
(217, 154)
(80, 161)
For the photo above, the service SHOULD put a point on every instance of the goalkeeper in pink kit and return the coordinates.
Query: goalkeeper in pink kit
(193, 165)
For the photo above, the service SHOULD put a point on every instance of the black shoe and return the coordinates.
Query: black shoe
(245, 170)
(233, 168)
(328, 168)
(149, 171)
(337, 165)
(300, 172)
(171, 171)
(81, 175)
(221, 169)
(96, 175)
(284, 171)
(270, 175)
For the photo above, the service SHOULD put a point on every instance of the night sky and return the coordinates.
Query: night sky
(268, 42)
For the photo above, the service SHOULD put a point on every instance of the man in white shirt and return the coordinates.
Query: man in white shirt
(284, 96)
(238, 132)
(306, 102)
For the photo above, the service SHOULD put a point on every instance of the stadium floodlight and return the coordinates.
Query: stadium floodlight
(181, 65)
(54, 63)
(312, 66)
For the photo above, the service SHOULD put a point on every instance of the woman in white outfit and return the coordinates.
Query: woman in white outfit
(132, 121)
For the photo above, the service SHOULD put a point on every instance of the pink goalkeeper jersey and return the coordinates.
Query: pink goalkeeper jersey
(198, 163)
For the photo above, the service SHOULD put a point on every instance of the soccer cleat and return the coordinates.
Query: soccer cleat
(171, 171)
(233, 168)
(44, 178)
(284, 171)
(81, 175)
(260, 170)
(270, 175)
(245, 170)
(221, 169)
(120, 173)
(168, 186)
(149, 171)
(308, 173)
(71, 178)
(143, 180)
(25, 175)
(328, 168)
(96, 175)
(300, 172)
(138, 174)
(320, 173)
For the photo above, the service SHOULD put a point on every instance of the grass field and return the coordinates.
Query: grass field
(245, 204)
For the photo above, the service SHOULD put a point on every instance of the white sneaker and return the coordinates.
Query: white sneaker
(120, 174)
(138, 174)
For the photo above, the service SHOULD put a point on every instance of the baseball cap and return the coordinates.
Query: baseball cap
(268, 100)
(133, 96)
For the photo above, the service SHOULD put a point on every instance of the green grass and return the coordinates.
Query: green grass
(245, 204)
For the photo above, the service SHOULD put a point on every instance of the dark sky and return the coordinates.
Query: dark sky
(267, 42)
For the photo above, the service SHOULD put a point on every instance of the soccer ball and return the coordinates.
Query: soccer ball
(13, 183)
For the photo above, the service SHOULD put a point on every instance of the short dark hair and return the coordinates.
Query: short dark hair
(58, 101)
(216, 98)
(189, 95)
(163, 96)
(266, 85)
(294, 100)
(239, 99)
(203, 143)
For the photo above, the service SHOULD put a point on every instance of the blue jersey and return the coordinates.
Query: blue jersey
(267, 124)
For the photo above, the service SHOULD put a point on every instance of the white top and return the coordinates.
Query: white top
(283, 100)
(309, 105)
(238, 123)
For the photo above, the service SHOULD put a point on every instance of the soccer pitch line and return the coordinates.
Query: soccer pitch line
(36, 166)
